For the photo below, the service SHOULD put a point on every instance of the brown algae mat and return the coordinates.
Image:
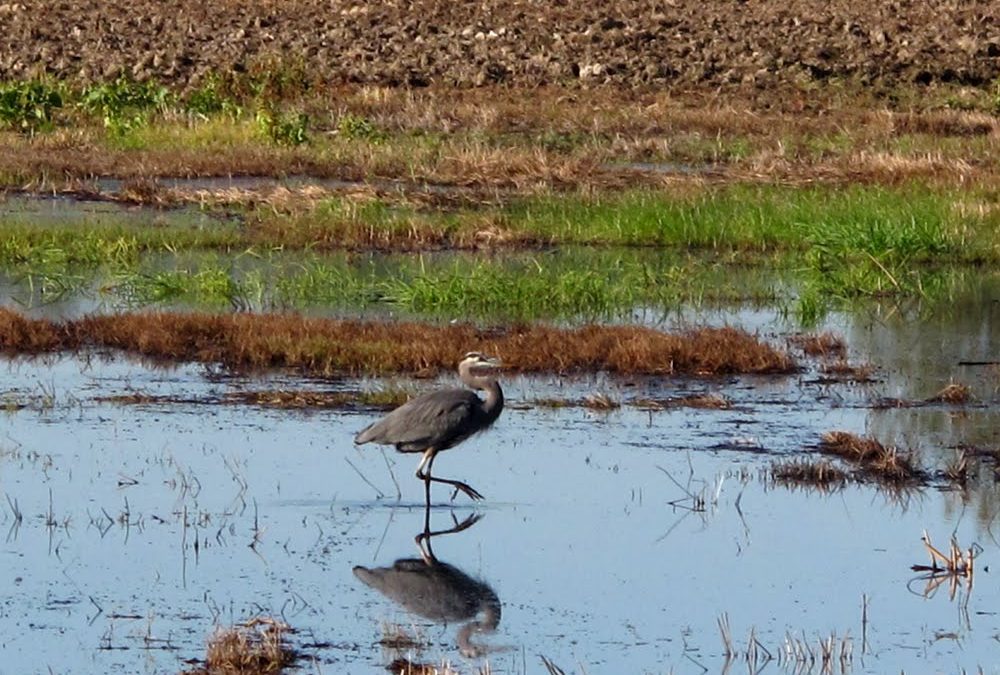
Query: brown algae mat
(319, 346)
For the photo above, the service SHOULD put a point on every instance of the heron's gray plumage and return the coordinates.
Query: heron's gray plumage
(440, 592)
(439, 420)
(434, 590)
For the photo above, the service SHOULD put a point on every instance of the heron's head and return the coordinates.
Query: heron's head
(477, 367)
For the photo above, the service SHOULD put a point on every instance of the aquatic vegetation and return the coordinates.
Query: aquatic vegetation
(700, 401)
(573, 285)
(820, 345)
(258, 646)
(822, 474)
(842, 370)
(887, 464)
(328, 346)
(954, 392)
(601, 401)
(213, 265)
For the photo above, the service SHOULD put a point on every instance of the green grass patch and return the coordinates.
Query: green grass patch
(841, 245)
(102, 243)
(912, 223)
(213, 134)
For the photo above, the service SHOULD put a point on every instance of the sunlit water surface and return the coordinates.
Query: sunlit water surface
(614, 541)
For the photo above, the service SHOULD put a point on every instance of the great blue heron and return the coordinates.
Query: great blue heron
(438, 591)
(439, 420)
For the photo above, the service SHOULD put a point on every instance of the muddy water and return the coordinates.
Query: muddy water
(613, 542)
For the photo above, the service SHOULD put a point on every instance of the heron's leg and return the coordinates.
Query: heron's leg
(423, 539)
(427, 459)
(426, 534)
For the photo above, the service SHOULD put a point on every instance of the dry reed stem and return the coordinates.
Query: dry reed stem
(351, 347)
(956, 562)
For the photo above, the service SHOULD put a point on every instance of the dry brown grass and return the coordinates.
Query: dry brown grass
(601, 401)
(556, 138)
(701, 401)
(955, 393)
(844, 371)
(350, 347)
(276, 398)
(403, 666)
(823, 345)
(822, 475)
(886, 464)
(255, 648)
(945, 123)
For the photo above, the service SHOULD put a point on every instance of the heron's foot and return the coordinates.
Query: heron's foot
(467, 489)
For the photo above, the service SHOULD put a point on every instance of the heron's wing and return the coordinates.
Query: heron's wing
(433, 419)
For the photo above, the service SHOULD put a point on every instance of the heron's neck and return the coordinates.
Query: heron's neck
(487, 624)
(493, 404)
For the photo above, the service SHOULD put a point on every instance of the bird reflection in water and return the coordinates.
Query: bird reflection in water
(437, 591)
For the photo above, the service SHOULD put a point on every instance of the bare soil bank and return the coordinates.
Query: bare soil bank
(682, 43)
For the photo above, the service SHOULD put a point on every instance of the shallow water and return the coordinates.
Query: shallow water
(145, 526)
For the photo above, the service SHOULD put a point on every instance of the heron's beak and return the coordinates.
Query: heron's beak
(494, 361)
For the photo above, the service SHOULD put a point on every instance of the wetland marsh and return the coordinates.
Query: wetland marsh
(751, 338)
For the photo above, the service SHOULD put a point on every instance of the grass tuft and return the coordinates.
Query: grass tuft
(886, 464)
(955, 393)
(821, 345)
(822, 474)
(601, 401)
(255, 648)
